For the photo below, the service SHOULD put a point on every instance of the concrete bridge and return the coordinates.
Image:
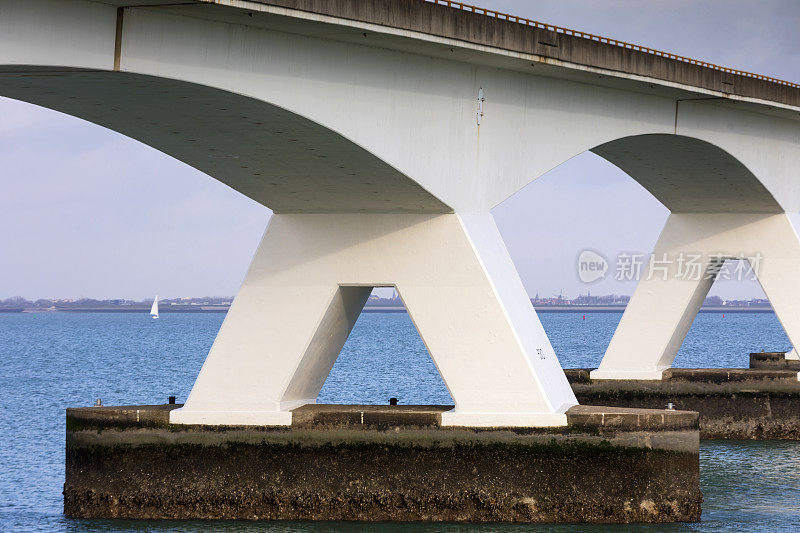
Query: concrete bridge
(382, 133)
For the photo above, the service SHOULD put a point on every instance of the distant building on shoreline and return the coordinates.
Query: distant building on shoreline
(583, 300)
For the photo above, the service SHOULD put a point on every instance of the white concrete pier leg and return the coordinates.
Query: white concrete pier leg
(306, 286)
(666, 302)
(661, 310)
(779, 275)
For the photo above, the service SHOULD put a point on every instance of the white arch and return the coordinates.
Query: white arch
(276, 157)
(719, 209)
(289, 317)
(413, 112)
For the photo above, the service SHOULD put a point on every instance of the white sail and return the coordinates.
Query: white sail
(154, 309)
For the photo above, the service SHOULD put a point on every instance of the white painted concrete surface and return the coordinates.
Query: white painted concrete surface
(308, 120)
(307, 284)
(664, 306)
(408, 119)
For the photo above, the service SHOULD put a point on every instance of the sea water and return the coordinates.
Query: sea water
(51, 361)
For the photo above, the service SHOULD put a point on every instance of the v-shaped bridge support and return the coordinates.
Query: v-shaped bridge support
(307, 284)
(670, 294)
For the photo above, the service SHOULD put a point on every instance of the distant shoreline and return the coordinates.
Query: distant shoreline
(120, 309)
(621, 309)
(367, 309)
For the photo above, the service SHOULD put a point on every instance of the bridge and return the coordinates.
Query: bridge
(381, 133)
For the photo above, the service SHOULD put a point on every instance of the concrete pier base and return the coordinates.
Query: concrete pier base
(735, 403)
(773, 361)
(384, 463)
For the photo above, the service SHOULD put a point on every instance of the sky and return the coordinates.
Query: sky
(87, 212)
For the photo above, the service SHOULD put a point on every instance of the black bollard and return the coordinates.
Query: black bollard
(392, 401)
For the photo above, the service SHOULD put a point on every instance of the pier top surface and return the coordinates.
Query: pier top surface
(333, 416)
(698, 380)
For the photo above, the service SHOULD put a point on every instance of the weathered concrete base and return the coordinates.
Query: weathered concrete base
(384, 463)
(773, 361)
(733, 403)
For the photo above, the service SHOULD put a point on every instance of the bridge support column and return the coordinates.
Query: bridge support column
(681, 271)
(311, 276)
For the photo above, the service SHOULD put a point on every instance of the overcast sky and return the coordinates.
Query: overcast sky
(88, 212)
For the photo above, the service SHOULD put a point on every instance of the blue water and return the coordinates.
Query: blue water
(52, 361)
(712, 342)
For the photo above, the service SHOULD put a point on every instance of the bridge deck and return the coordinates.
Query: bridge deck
(456, 21)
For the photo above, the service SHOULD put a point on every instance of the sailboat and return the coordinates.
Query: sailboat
(154, 309)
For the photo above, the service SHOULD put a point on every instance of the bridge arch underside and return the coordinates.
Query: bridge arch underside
(689, 175)
(276, 157)
(719, 210)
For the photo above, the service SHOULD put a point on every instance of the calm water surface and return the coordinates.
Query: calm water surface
(52, 361)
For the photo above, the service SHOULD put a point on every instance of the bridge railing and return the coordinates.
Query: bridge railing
(615, 42)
